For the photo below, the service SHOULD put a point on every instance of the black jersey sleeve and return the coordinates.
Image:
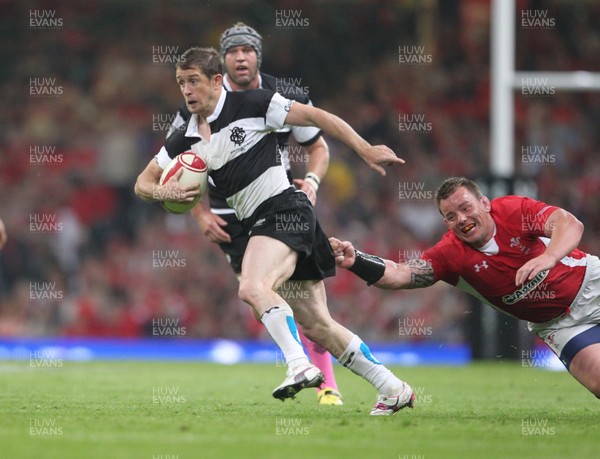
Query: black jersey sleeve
(178, 143)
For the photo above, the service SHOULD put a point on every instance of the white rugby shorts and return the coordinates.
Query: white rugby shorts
(580, 326)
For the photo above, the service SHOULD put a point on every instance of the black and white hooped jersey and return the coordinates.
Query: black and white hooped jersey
(304, 135)
(242, 152)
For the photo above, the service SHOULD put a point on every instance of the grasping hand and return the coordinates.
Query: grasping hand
(343, 252)
(174, 192)
(533, 267)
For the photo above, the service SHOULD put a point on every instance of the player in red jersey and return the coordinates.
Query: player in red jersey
(515, 254)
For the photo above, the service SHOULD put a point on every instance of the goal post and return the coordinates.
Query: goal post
(505, 80)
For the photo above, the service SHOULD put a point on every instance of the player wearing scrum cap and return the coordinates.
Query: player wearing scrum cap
(241, 55)
(239, 145)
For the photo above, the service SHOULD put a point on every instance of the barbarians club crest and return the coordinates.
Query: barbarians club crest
(237, 135)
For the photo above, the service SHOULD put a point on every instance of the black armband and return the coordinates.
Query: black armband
(369, 268)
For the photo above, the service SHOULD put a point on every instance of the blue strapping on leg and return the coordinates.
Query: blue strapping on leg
(577, 343)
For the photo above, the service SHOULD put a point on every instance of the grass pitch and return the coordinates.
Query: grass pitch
(160, 410)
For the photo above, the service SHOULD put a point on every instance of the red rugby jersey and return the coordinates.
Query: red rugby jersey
(490, 276)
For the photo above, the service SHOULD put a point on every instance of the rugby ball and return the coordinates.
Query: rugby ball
(194, 173)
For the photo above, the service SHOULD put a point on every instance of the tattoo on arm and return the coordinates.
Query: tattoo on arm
(421, 273)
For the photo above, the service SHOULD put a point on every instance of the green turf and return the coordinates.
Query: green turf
(159, 410)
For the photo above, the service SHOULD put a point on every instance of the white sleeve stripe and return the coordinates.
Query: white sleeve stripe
(277, 111)
(544, 210)
(162, 158)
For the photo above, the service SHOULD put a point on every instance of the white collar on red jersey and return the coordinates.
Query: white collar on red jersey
(491, 246)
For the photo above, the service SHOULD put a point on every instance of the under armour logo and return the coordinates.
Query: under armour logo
(237, 135)
(483, 265)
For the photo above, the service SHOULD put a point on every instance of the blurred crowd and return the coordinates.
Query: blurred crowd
(87, 103)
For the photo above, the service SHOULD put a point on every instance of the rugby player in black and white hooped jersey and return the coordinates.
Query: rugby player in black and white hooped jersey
(241, 56)
(239, 145)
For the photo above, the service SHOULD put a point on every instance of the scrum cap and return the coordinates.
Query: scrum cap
(241, 35)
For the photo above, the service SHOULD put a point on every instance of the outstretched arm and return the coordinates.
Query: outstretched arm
(375, 156)
(564, 231)
(413, 274)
